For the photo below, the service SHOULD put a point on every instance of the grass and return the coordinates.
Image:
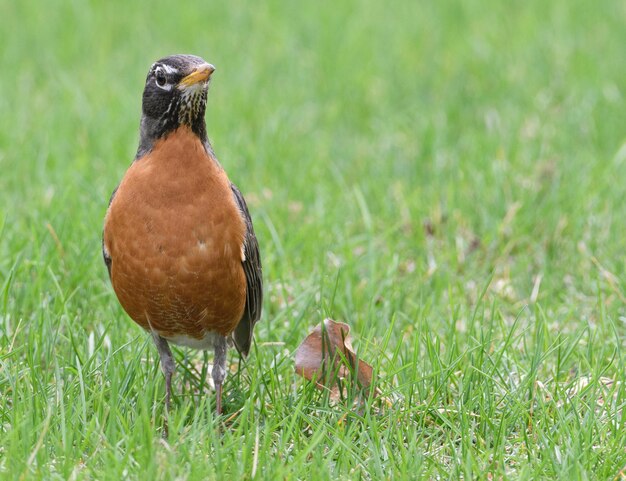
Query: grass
(446, 177)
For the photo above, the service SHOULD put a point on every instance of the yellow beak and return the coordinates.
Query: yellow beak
(200, 74)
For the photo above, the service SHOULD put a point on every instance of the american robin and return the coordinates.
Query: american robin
(178, 239)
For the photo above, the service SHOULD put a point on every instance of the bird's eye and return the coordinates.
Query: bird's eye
(161, 80)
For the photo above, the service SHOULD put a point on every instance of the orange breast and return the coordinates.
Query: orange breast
(175, 236)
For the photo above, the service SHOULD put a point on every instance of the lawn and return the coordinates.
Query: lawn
(448, 178)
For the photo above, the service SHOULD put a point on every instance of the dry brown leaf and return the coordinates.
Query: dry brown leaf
(326, 357)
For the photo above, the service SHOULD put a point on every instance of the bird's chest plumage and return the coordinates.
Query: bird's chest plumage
(175, 236)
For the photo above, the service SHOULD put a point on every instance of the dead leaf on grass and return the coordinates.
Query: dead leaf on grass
(327, 358)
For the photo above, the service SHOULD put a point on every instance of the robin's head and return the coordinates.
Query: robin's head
(175, 94)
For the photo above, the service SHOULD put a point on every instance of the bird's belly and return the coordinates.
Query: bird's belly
(205, 343)
(177, 270)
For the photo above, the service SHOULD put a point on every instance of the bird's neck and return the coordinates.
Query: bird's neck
(152, 130)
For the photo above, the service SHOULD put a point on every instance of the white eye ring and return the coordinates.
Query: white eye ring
(160, 79)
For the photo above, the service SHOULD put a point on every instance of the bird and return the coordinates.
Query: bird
(178, 240)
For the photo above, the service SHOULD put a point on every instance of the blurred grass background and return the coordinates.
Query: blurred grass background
(447, 177)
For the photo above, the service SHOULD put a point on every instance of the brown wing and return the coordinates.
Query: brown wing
(105, 254)
(254, 280)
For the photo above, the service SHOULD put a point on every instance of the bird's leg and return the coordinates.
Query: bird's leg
(168, 366)
(220, 347)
